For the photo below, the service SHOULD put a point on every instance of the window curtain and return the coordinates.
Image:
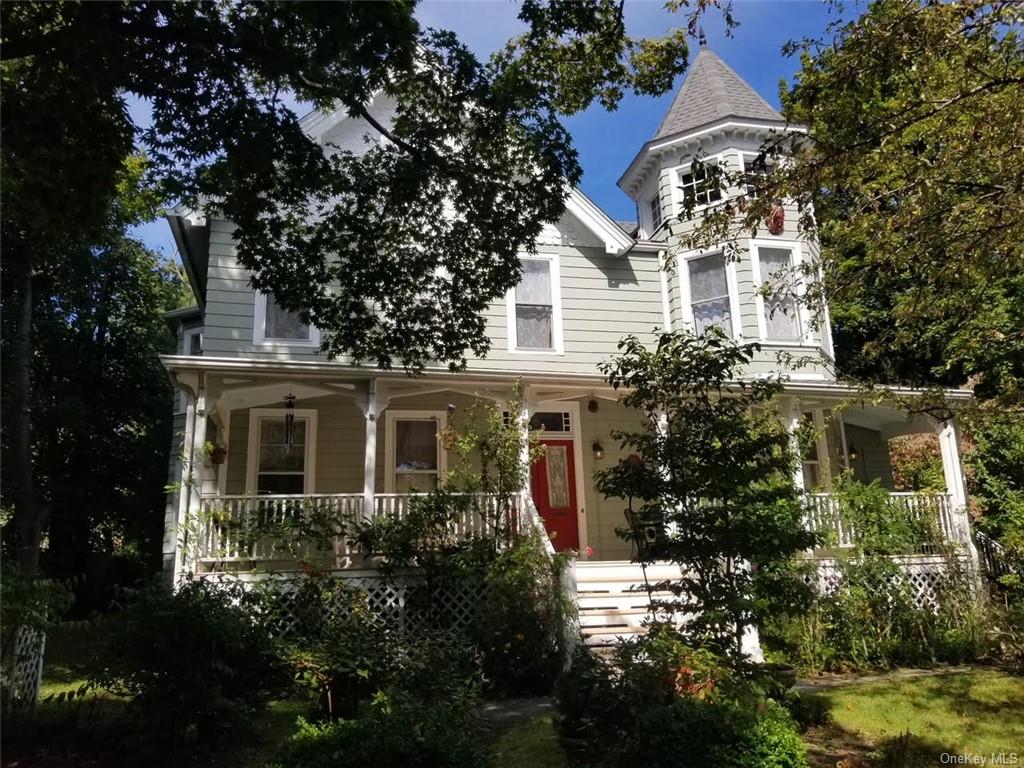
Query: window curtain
(282, 324)
(709, 291)
(781, 320)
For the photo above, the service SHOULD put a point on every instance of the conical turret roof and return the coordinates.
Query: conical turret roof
(711, 92)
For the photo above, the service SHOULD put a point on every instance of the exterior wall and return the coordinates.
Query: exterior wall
(605, 515)
(873, 456)
(603, 298)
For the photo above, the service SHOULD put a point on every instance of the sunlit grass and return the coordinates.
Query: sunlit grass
(978, 712)
(533, 744)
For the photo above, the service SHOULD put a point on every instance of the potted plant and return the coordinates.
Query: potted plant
(216, 452)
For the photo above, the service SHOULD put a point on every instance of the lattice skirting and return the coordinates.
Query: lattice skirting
(23, 671)
(400, 601)
(926, 575)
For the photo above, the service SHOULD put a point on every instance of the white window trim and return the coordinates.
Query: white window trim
(557, 337)
(253, 457)
(796, 254)
(675, 179)
(390, 417)
(683, 276)
(187, 337)
(259, 328)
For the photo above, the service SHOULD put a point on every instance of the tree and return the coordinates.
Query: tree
(710, 483)
(100, 399)
(909, 174)
(393, 252)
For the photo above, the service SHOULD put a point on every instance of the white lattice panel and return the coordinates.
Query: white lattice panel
(926, 575)
(26, 670)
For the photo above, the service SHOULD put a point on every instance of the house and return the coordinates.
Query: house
(357, 441)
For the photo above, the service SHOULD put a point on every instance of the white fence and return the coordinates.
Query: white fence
(243, 531)
(825, 517)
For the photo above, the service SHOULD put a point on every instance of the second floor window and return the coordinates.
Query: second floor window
(274, 323)
(697, 187)
(534, 306)
(779, 309)
(755, 170)
(709, 293)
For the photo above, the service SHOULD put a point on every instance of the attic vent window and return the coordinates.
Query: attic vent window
(698, 188)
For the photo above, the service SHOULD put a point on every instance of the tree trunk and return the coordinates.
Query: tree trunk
(27, 527)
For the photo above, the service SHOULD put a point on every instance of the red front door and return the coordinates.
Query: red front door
(553, 485)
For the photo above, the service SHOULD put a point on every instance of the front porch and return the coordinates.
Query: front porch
(276, 466)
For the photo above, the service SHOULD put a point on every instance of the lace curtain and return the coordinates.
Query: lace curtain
(781, 319)
(709, 292)
(533, 306)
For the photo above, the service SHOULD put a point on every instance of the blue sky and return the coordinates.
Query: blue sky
(608, 141)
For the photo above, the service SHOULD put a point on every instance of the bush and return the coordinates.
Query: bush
(660, 703)
(400, 731)
(519, 629)
(872, 622)
(194, 662)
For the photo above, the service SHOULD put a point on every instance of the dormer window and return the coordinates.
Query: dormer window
(272, 323)
(697, 187)
(654, 208)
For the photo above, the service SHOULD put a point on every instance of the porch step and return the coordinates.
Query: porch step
(613, 599)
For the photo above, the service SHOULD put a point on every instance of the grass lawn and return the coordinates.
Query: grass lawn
(979, 712)
(533, 744)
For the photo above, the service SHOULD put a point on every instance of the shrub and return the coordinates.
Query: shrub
(519, 629)
(399, 732)
(194, 662)
(660, 703)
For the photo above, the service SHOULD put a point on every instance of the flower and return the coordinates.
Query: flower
(590, 551)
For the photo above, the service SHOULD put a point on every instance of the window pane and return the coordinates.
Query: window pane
(713, 313)
(280, 484)
(415, 444)
(195, 344)
(812, 479)
(535, 287)
(419, 481)
(533, 327)
(272, 432)
(781, 321)
(707, 278)
(655, 213)
(282, 324)
(709, 292)
(552, 421)
(280, 458)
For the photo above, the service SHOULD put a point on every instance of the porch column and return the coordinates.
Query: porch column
(191, 484)
(527, 407)
(375, 401)
(952, 467)
(790, 417)
(175, 526)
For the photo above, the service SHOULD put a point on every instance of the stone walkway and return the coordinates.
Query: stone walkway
(505, 712)
(829, 681)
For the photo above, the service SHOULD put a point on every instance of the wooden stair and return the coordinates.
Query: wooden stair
(613, 600)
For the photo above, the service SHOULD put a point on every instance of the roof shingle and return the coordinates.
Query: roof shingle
(712, 91)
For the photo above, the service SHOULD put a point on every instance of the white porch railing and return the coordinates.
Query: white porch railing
(824, 516)
(252, 528)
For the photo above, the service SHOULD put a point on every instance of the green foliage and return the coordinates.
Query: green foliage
(997, 464)
(661, 703)
(398, 732)
(522, 623)
(713, 489)
(881, 525)
(410, 282)
(194, 662)
(872, 622)
(917, 463)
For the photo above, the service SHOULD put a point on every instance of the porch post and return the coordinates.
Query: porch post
(527, 407)
(174, 527)
(191, 478)
(791, 420)
(952, 469)
(370, 449)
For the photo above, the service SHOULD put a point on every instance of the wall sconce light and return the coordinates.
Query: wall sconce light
(592, 405)
(851, 452)
(598, 450)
